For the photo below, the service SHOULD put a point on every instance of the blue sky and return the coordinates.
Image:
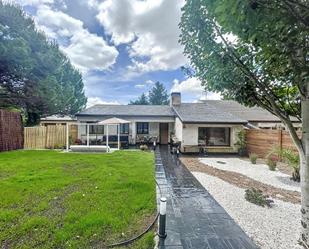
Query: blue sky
(121, 46)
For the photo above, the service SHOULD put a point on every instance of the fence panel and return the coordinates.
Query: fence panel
(48, 137)
(262, 141)
(11, 130)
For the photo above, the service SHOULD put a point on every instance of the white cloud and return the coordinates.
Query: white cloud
(33, 2)
(87, 51)
(193, 86)
(190, 85)
(98, 101)
(139, 86)
(149, 27)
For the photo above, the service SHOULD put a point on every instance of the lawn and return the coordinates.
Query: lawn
(50, 199)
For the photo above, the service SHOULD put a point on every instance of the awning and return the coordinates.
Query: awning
(113, 121)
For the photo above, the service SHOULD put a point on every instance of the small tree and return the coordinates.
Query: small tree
(158, 94)
(142, 100)
(256, 52)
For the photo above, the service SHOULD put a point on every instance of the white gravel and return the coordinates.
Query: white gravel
(271, 228)
(258, 172)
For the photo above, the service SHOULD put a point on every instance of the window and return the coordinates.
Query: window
(124, 129)
(96, 129)
(142, 128)
(214, 136)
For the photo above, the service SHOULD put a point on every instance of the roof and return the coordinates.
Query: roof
(205, 113)
(114, 121)
(58, 118)
(128, 110)
(252, 114)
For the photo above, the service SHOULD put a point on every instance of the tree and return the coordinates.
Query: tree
(256, 52)
(158, 94)
(35, 76)
(142, 100)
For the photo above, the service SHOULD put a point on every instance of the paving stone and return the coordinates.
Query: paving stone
(195, 220)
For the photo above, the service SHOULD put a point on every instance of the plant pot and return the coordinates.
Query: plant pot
(242, 152)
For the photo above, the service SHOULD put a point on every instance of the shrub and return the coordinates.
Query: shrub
(253, 157)
(143, 147)
(272, 163)
(59, 146)
(257, 197)
(289, 156)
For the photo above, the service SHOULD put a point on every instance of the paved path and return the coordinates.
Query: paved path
(194, 218)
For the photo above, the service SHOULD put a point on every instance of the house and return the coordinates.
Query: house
(213, 124)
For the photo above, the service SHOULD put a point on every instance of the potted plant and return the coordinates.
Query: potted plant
(241, 143)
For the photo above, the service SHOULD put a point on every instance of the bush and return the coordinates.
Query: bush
(143, 147)
(257, 197)
(290, 157)
(253, 157)
(272, 163)
(59, 147)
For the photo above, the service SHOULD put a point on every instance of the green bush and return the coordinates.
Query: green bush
(291, 157)
(257, 197)
(253, 157)
(59, 147)
(272, 163)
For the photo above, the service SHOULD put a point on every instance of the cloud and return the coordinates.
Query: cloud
(98, 101)
(140, 86)
(33, 2)
(149, 28)
(192, 86)
(87, 51)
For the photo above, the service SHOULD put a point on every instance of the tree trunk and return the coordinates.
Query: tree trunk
(304, 170)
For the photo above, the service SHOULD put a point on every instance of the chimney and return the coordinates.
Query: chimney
(175, 99)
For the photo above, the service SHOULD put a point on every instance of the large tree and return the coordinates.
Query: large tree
(156, 96)
(35, 76)
(256, 52)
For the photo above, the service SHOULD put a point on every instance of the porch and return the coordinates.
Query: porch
(131, 133)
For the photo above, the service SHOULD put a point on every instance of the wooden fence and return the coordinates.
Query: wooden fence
(48, 137)
(262, 142)
(11, 131)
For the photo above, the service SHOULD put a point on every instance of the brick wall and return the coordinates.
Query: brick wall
(11, 131)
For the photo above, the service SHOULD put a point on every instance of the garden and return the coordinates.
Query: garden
(51, 199)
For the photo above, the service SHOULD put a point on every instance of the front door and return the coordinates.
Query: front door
(164, 133)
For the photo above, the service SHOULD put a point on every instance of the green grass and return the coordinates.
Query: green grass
(50, 199)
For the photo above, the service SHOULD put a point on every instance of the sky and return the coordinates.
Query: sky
(121, 47)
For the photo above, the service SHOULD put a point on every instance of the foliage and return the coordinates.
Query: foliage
(156, 96)
(257, 197)
(253, 157)
(272, 163)
(254, 52)
(241, 140)
(289, 156)
(58, 200)
(141, 100)
(35, 76)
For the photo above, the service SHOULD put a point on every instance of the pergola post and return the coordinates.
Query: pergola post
(67, 135)
(87, 134)
(118, 126)
(107, 149)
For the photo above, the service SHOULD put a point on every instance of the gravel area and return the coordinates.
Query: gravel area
(258, 172)
(271, 228)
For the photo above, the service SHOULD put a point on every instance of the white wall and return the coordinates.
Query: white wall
(179, 129)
